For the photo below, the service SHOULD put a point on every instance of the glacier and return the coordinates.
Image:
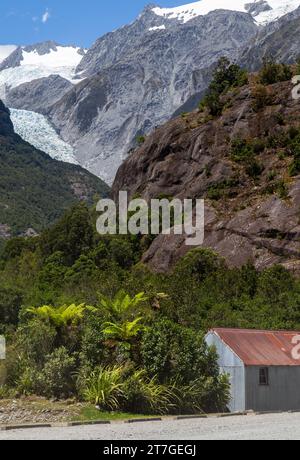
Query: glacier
(35, 129)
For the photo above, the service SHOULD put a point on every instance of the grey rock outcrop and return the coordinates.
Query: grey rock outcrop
(258, 7)
(38, 95)
(279, 40)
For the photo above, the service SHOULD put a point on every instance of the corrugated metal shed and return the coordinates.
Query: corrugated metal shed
(261, 348)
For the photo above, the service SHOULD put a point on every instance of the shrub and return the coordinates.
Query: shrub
(140, 139)
(6, 392)
(198, 263)
(224, 188)
(273, 72)
(294, 169)
(36, 339)
(213, 102)
(203, 394)
(147, 396)
(225, 76)
(10, 304)
(122, 252)
(105, 388)
(279, 187)
(169, 350)
(244, 151)
(57, 378)
(29, 382)
(282, 189)
(241, 150)
(254, 169)
(272, 175)
(93, 351)
(261, 97)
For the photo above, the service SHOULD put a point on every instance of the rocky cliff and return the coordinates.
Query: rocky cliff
(242, 163)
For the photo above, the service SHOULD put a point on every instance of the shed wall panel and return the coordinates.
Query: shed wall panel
(282, 393)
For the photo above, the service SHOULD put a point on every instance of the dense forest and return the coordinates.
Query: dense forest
(82, 314)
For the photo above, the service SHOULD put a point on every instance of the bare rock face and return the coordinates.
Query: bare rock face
(249, 219)
(255, 8)
(38, 95)
(279, 40)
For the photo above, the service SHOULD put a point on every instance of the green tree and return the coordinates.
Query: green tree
(72, 236)
(122, 304)
(125, 332)
(225, 76)
(67, 315)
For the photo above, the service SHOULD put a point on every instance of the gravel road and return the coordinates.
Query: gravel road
(270, 427)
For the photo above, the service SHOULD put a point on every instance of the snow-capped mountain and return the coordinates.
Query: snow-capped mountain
(146, 71)
(264, 11)
(137, 77)
(136, 80)
(25, 64)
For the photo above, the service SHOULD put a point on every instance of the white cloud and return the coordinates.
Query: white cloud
(46, 16)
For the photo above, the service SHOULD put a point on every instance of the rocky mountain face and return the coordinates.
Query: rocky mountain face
(139, 76)
(35, 189)
(251, 209)
(39, 95)
(281, 40)
(144, 86)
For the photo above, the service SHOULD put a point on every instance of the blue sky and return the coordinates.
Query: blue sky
(67, 21)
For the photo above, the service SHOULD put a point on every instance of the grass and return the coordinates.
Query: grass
(90, 413)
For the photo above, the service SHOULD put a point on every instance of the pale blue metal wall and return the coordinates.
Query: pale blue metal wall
(231, 364)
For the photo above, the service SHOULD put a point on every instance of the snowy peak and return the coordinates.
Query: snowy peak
(5, 51)
(263, 11)
(47, 54)
(57, 56)
(27, 63)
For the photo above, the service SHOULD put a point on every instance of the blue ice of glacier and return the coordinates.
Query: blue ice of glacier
(35, 129)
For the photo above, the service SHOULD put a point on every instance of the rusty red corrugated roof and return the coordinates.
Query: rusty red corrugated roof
(261, 348)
